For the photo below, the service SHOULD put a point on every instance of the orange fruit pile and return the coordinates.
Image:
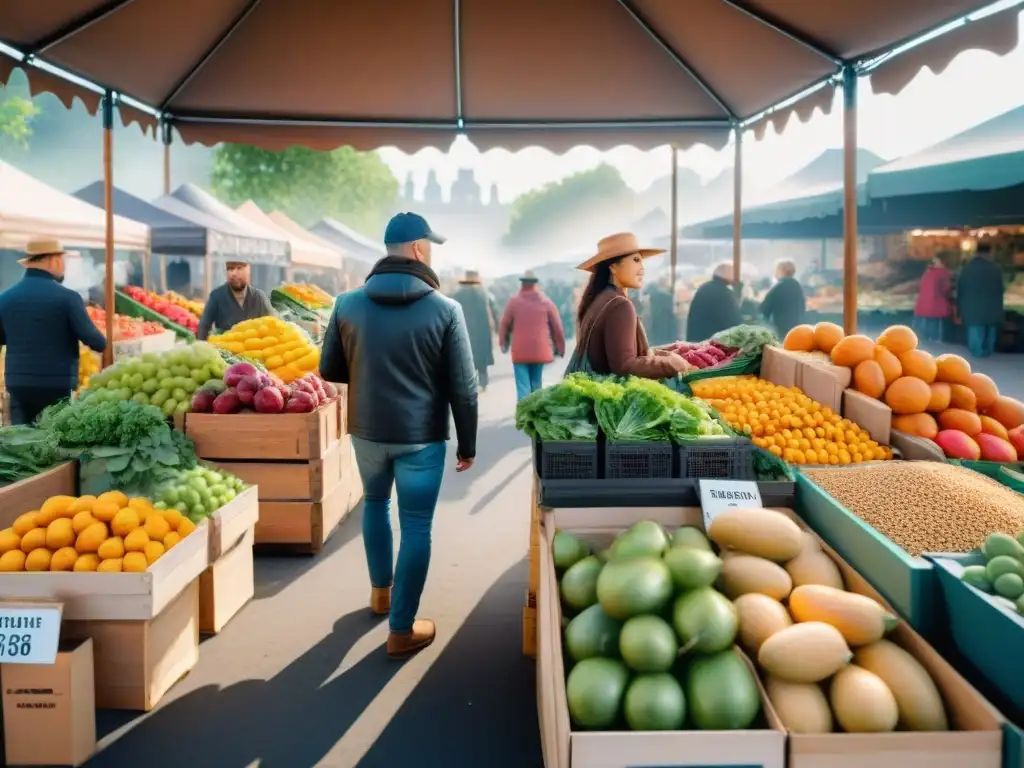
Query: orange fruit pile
(787, 423)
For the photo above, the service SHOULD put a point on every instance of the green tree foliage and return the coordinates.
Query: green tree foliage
(356, 188)
(16, 113)
(539, 211)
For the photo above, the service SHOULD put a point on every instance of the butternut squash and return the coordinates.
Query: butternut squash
(859, 619)
(917, 697)
(743, 574)
(804, 653)
(802, 707)
(862, 702)
(759, 532)
(814, 568)
(760, 617)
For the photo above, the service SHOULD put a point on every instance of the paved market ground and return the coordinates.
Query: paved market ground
(299, 678)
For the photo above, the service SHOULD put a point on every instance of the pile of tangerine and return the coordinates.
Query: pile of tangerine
(787, 423)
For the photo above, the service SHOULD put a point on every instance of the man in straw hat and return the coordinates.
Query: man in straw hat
(233, 302)
(532, 329)
(403, 350)
(480, 321)
(42, 323)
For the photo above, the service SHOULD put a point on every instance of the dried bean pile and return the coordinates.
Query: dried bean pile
(925, 506)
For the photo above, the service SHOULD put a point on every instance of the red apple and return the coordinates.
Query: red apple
(1017, 439)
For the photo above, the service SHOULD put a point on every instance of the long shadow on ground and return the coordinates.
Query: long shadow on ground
(289, 721)
(477, 705)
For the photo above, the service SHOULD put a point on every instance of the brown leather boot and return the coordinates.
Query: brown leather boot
(402, 644)
(380, 600)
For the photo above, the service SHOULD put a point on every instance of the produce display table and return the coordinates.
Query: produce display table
(302, 465)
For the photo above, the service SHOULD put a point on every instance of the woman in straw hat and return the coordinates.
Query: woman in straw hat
(611, 339)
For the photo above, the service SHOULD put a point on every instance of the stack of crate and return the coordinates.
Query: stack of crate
(530, 610)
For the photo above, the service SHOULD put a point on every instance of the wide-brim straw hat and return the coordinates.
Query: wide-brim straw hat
(40, 247)
(614, 246)
(471, 277)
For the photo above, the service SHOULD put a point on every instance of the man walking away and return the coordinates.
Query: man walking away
(478, 311)
(714, 307)
(979, 296)
(403, 350)
(233, 302)
(42, 323)
(529, 325)
(784, 304)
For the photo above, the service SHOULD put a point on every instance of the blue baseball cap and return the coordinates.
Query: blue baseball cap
(408, 228)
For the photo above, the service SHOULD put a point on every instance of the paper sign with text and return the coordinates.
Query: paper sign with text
(716, 496)
(29, 633)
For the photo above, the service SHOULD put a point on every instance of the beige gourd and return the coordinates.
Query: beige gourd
(760, 617)
(802, 707)
(814, 567)
(759, 532)
(743, 574)
(804, 653)
(859, 619)
(917, 697)
(862, 702)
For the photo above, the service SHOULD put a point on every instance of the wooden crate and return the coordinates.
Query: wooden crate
(227, 585)
(137, 662)
(232, 521)
(535, 568)
(29, 494)
(292, 480)
(530, 632)
(261, 436)
(306, 524)
(114, 597)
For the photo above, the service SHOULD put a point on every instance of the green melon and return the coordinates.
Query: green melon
(627, 588)
(567, 550)
(722, 692)
(592, 633)
(648, 644)
(705, 620)
(655, 703)
(579, 584)
(692, 568)
(643, 539)
(594, 692)
(692, 537)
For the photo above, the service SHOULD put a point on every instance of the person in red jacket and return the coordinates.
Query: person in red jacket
(531, 327)
(933, 308)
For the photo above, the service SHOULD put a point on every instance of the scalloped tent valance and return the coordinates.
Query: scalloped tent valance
(508, 73)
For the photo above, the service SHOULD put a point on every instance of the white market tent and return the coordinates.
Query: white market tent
(304, 251)
(29, 208)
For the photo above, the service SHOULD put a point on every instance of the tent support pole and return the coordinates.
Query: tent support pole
(849, 200)
(673, 236)
(166, 136)
(146, 256)
(737, 205)
(207, 276)
(108, 206)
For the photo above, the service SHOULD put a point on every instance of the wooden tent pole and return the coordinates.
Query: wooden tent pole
(737, 205)
(108, 206)
(166, 136)
(674, 235)
(849, 200)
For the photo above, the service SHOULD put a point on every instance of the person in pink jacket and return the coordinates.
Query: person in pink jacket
(532, 328)
(933, 308)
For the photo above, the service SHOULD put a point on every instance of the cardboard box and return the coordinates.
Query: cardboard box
(117, 596)
(227, 585)
(28, 494)
(50, 709)
(820, 380)
(976, 742)
(565, 747)
(530, 632)
(137, 662)
(535, 568)
(871, 414)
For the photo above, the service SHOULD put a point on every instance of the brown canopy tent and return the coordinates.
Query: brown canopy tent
(508, 73)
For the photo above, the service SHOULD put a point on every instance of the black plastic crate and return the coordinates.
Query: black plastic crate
(566, 459)
(637, 461)
(722, 459)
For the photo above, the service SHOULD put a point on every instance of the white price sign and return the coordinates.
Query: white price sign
(29, 633)
(716, 496)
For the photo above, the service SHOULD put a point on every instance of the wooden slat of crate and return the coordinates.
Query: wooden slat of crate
(530, 632)
(260, 436)
(304, 523)
(227, 585)
(137, 662)
(29, 494)
(292, 480)
(232, 521)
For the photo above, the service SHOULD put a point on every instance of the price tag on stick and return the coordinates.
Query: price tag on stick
(716, 496)
(29, 632)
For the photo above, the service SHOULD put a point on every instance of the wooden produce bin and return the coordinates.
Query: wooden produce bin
(144, 626)
(229, 581)
(28, 494)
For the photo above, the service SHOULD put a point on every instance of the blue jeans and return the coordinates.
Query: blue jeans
(930, 328)
(528, 378)
(417, 471)
(981, 339)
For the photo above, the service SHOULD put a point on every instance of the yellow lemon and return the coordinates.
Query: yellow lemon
(115, 496)
(157, 527)
(13, 561)
(82, 504)
(9, 540)
(170, 540)
(185, 528)
(105, 509)
(173, 518)
(124, 522)
(89, 562)
(91, 538)
(154, 550)
(33, 540)
(54, 507)
(114, 565)
(134, 562)
(25, 523)
(38, 560)
(82, 520)
(64, 559)
(111, 549)
(137, 540)
(60, 533)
